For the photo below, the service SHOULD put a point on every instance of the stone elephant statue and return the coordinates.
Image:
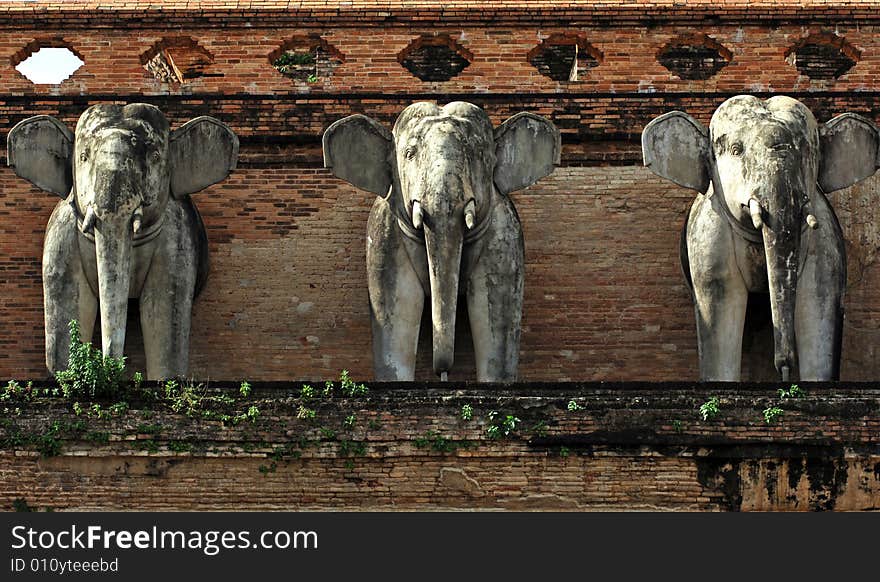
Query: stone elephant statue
(444, 226)
(126, 227)
(761, 223)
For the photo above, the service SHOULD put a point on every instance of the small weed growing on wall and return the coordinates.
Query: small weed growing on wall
(573, 406)
(539, 429)
(467, 412)
(245, 389)
(772, 414)
(89, 373)
(349, 421)
(677, 426)
(350, 388)
(307, 391)
(352, 448)
(293, 58)
(191, 400)
(15, 391)
(435, 441)
(305, 413)
(48, 443)
(440, 443)
(251, 414)
(501, 426)
(794, 391)
(96, 410)
(298, 65)
(710, 408)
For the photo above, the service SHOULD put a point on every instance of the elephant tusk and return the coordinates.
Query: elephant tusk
(755, 211)
(785, 373)
(88, 223)
(811, 221)
(137, 220)
(444, 376)
(469, 214)
(417, 214)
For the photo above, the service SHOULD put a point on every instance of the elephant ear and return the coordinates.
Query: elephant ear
(202, 151)
(527, 148)
(850, 151)
(358, 150)
(39, 149)
(675, 146)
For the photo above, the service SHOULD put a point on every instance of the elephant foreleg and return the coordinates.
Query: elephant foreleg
(819, 319)
(720, 293)
(397, 298)
(166, 303)
(66, 291)
(495, 297)
(720, 311)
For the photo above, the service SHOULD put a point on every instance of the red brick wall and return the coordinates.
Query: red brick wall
(605, 299)
(241, 60)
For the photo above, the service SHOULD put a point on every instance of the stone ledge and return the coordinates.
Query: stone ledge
(621, 446)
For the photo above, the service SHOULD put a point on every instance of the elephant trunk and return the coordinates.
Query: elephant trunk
(444, 237)
(781, 231)
(119, 209)
(113, 245)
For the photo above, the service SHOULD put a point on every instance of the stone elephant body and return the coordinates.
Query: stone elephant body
(762, 224)
(126, 228)
(444, 227)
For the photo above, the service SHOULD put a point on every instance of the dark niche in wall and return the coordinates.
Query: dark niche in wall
(435, 58)
(564, 57)
(823, 56)
(306, 58)
(697, 57)
(177, 60)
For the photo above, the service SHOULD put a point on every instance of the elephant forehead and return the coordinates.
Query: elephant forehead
(439, 129)
(465, 117)
(741, 112)
(745, 112)
(140, 118)
(140, 133)
(412, 113)
(469, 111)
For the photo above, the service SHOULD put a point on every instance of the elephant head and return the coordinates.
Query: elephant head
(118, 172)
(441, 169)
(766, 163)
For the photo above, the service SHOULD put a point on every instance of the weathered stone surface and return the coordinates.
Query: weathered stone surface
(126, 227)
(762, 223)
(444, 227)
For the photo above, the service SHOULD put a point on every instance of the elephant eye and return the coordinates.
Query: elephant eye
(736, 149)
(780, 147)
(83, 156)
(156, 155)
(409, 152)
